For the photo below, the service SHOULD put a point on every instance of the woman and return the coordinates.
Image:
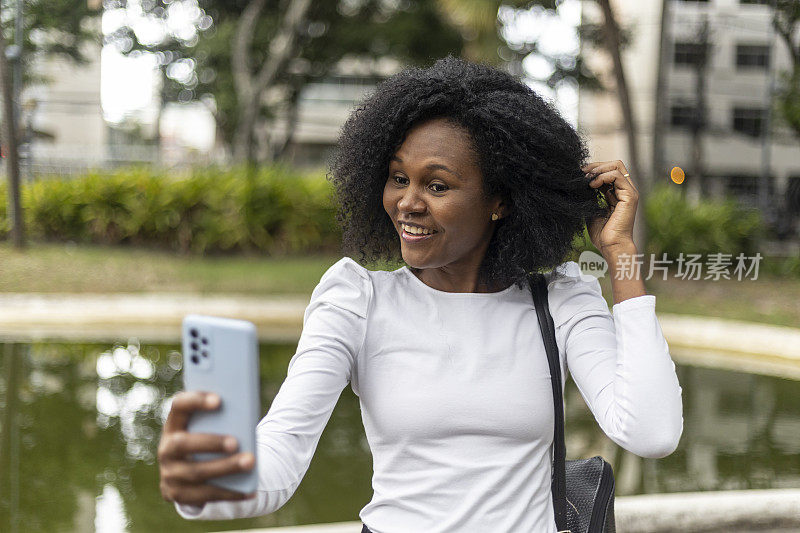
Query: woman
(445, 353)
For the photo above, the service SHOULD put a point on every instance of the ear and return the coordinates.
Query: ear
(501, 207)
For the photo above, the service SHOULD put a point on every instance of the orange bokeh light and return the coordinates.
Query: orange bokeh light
(677, 175)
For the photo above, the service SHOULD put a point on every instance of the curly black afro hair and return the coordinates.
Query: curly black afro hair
(528, 155)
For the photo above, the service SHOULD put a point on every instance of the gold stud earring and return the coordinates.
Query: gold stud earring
(495, 216)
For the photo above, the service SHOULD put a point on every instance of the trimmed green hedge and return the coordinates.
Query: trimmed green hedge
(711, 226)
(277, 210)
(272, 210)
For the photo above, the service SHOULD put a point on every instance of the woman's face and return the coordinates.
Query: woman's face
(434, 182)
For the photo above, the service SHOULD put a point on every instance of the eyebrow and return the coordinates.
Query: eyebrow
(432, 166)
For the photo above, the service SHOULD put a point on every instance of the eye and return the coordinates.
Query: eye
(442, 186)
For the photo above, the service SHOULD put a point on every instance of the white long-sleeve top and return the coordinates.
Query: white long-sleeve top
(456, 398)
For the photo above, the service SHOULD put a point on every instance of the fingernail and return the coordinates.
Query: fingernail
(229, 444)
(246, 461)
(212, 400)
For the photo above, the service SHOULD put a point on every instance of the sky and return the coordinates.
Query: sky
(555, 35)
(129, 84)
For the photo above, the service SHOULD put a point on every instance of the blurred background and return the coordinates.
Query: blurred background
(161, 157)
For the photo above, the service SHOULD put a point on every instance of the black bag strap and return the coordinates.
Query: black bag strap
(538, 285)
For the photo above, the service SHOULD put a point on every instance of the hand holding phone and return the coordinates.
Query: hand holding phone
(217, 415)
(184, 480)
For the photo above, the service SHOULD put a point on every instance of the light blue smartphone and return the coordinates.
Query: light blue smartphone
(220, 355)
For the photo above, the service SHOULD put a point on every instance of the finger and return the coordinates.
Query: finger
(608, 194)
(184, 404)
(589, 166)
(200, 494)
(629, 197)
(605, 178)
(241, 462)
(614, 177)
(181, 443)
(606, 166)
(629, 179)
(598, 166)
(610, 167)
(197, 472)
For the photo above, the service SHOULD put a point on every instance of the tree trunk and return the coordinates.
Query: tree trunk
(249, 88)
(11, 150)
(612, 43)
(243, 137)
(659, 166)
(243, 82)
(291, 120)
(160, 103)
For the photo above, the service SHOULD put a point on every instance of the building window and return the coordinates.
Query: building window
(748, 120)
(688, 53)
(752, 56)
(744, 189)
(682, 116)
(793, 195)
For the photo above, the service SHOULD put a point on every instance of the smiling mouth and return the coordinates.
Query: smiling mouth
(410, 237)
(430, 230)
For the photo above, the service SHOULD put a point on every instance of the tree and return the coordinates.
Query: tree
(50, 28)
(10, 138)
(606, 35)
(613, 46)
(219, 59)
(786, 21)
(225, 61)
(252, 80)
(480, 25)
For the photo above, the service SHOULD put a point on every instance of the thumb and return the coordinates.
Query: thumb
(595, 226)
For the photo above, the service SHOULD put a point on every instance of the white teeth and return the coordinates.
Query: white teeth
(416, 231)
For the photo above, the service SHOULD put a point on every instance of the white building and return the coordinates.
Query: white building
(325, 105)
(744, 55)
(63, 113)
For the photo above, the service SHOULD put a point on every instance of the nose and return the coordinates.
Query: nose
(411, 201)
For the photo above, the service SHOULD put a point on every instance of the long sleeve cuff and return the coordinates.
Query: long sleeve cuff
(637, 302)
(189, 511)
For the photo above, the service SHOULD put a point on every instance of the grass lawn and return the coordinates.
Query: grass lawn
(80, 269)
(768, 299)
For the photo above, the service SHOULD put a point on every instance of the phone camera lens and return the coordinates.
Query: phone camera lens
(193, 332)
(195, 359)
(195, 346)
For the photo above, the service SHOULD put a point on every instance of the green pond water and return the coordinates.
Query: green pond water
(80, 424)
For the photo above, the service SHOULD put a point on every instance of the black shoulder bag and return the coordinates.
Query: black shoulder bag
(583, 489)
